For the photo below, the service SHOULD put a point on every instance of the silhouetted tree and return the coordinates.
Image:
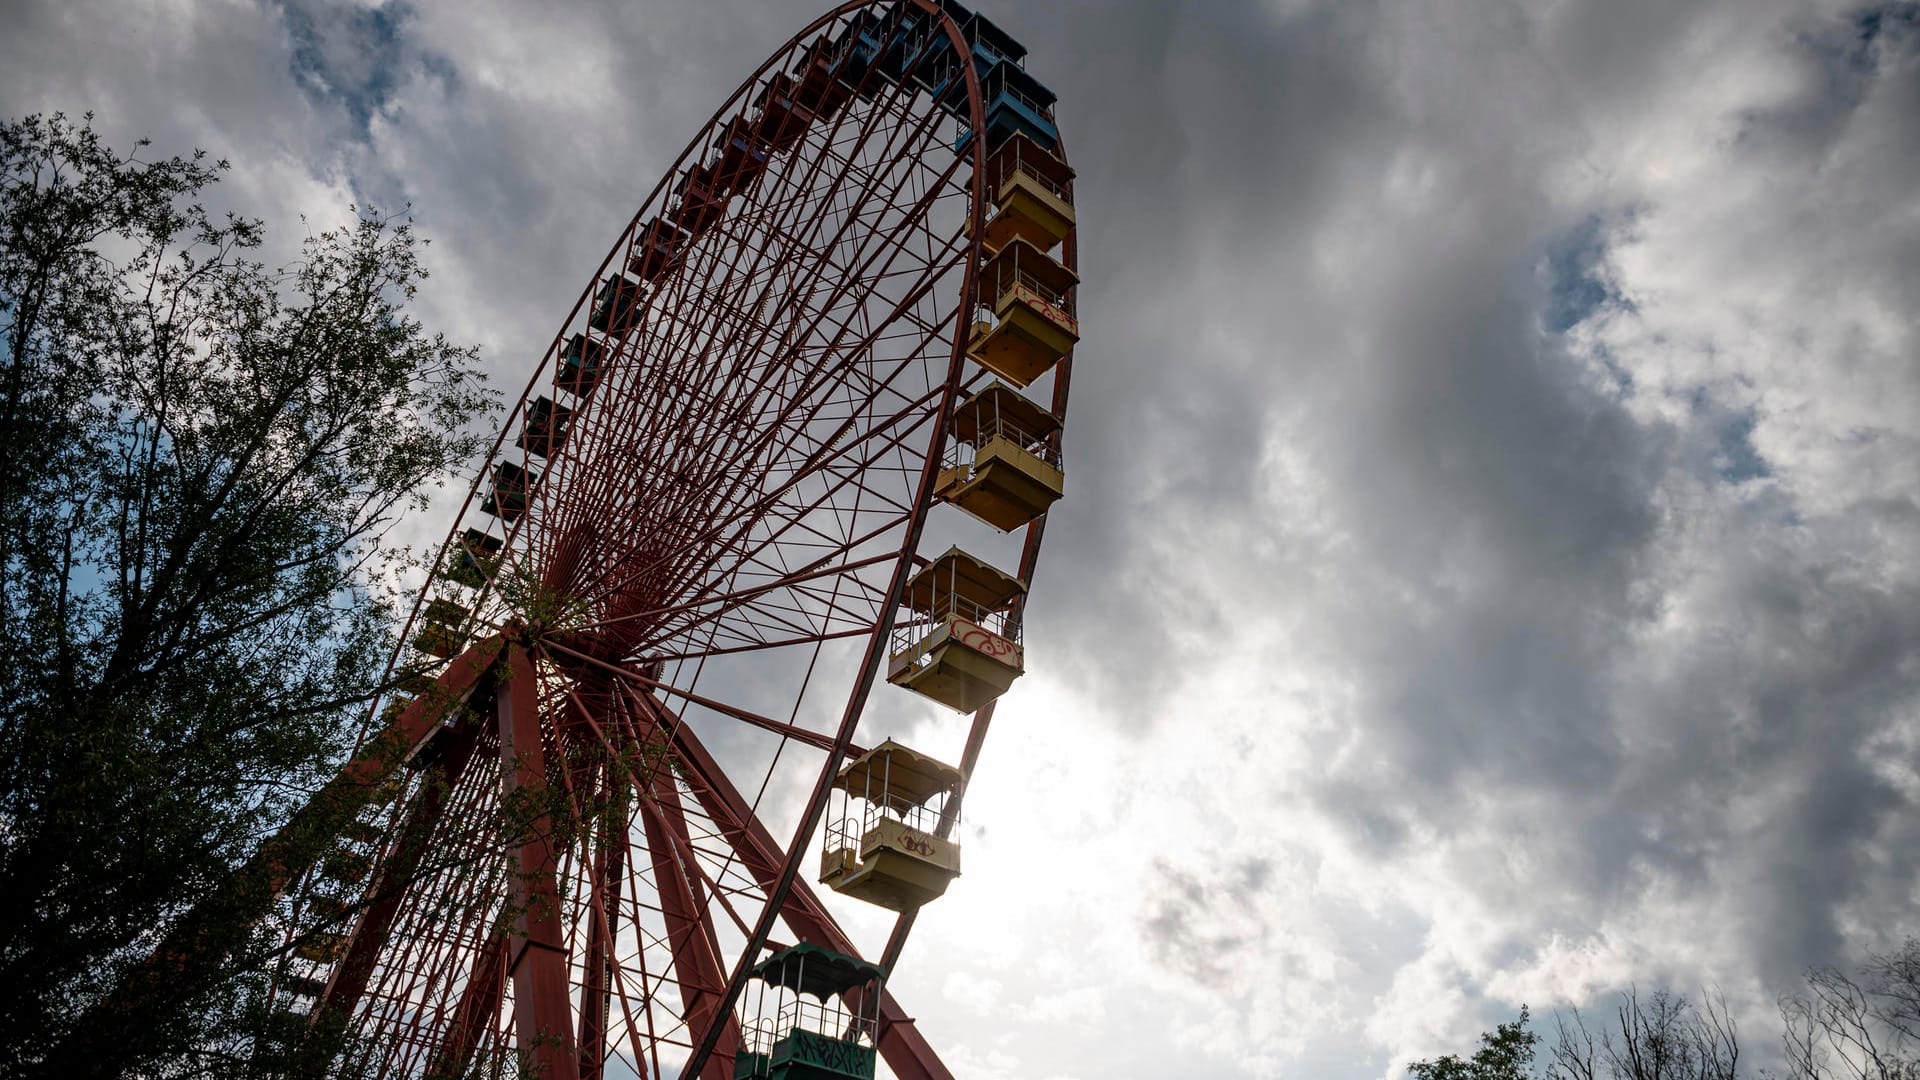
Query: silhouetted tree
(1506, 1053)
(1662, 1037)
(200, 458)
(1841, 1028)
(1867, 1028)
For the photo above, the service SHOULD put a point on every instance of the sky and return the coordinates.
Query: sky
(1492, 451)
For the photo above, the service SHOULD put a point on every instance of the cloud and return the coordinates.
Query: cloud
(348, 56)
(1582, 476)
(1486, 574)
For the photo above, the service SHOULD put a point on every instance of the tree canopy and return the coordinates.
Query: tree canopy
(1840, 1027)
(201, 461)
(1506, 1053)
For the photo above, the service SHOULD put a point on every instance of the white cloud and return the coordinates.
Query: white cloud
(1400, 655)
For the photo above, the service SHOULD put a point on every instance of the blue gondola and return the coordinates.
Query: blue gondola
(899, 29)
(545, 429)
(989, 46)
(1015, 101)
(511, 483)
(614, 308)
(856, 48)
(579, 369)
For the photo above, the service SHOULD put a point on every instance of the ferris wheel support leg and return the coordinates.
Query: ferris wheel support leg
(203, 938)
(596, 999)
(906, 1051)
(479, 1004)
(537, 954)
(667, 800)
(375, 925)
(695, 957)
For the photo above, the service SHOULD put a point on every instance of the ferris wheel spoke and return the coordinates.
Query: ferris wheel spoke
(730, 477)
(888, 432)
(696, 959)
(474, 1016)
(757, 849)
(762, 506)
(805, 614)
(602, 898)
(645, 707)
(842, 288)
(657, 645)
(685, 279)
(617, 971)
(820, 568)
(795, 479)
(425, 967)
(715, 541)
(402, 864)
(594, 1030)
(804, 611)
(635, 679)
(720, 495)
(434, 956)
(862, 346)
(741, 635)
(688, 855)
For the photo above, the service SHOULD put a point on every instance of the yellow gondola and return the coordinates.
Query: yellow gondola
(1032, 324)
(960, 649)
(1027, 186)
(1005, 469)
(885, 851)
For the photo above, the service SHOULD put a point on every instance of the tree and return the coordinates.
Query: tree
(1506, 1053)
(1867, 1028)
(200, 462)
(1840, 1028)
(1664, 1037)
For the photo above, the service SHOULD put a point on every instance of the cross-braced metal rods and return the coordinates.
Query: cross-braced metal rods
(656, 625)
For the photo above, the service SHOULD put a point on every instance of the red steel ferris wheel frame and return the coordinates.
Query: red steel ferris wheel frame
(498, 676)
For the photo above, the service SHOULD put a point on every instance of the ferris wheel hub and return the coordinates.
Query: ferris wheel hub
(712, 496)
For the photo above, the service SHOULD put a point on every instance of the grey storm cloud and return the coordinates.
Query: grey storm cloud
(1492, 463)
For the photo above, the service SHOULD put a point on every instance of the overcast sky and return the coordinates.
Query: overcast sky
(1490, 571)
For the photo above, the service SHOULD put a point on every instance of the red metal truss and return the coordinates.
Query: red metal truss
(906, 1051)
(536, 946)
(608, 862)
(397, 870)
(696, 953)
(474, 1016)
(721, 477)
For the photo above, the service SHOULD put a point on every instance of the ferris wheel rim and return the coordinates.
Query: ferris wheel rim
(548, 359)
(922, 503)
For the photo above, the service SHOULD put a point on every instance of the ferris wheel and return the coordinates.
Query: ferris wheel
(783, 472)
